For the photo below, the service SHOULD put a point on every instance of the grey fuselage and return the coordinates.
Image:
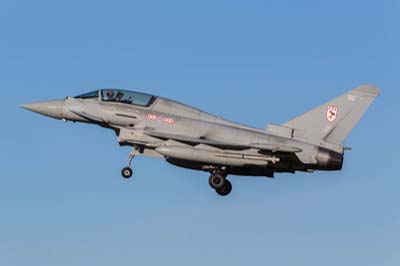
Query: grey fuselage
(190, 138)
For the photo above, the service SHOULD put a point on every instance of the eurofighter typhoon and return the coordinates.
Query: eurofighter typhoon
(188, 137)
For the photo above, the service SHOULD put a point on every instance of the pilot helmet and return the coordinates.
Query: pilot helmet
(110, 94)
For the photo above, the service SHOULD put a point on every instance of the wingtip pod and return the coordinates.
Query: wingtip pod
(369, 89)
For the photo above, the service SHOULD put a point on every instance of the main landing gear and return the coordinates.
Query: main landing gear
(127, 172)
(219, 182)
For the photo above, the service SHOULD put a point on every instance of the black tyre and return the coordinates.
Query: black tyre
(127, 172)
(225, 190)
(217, 181)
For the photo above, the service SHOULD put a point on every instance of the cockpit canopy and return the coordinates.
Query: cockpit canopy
(128, 97)
(89, 95)
(120, 96)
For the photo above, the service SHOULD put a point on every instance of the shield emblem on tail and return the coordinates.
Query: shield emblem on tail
(331, 113)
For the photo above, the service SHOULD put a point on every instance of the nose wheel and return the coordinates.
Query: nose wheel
(127, 172)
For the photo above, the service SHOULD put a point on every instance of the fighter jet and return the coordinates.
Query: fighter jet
(191, 138)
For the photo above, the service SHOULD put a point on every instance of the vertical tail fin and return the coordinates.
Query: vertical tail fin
(334, 120)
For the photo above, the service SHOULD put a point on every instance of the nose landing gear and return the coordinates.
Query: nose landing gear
(127, 172)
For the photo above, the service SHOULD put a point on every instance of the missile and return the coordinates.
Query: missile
(217, 157)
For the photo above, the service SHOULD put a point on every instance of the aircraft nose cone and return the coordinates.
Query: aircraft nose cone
(52, 109)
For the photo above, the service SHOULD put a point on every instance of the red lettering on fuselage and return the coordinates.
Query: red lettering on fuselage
(160, 119)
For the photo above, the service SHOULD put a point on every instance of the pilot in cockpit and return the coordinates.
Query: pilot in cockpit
(110, 95)
(129, 100)
(119, 96)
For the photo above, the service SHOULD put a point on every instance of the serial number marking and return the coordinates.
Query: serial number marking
(351, 98)
(160, 118)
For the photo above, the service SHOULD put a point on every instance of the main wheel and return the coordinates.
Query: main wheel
(127, 172)
(225, 190)
(217, 181)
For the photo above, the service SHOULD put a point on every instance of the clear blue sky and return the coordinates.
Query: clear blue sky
(62, 201)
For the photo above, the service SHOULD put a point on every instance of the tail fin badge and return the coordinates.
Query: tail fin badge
(331, 113)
